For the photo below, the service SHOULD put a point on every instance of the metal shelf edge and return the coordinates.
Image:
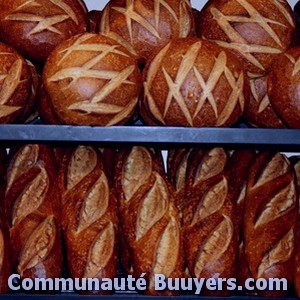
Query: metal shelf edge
(145, 134)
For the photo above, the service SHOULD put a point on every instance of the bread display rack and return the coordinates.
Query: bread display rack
(163, 137)
(120, 90)
(282, 139)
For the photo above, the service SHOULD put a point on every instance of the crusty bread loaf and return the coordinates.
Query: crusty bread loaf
(150, 226)
(34, 28)
(295, 161)
(15, 84)
(30, 110)
(145, 26)
(177, 171)
(45, 108)
(260, 112)
(5, 267)
(283, 86)
(89, 215)
(92, 80)
(32, 210)
(257, 31)
(193, 82)
(238, 170)
(271, 213)
(209, 231)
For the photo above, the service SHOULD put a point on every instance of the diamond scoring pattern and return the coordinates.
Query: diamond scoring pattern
(239, 43)
(186, 66)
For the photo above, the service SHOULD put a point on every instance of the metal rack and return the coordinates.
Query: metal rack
(281, 138)
(277, 139)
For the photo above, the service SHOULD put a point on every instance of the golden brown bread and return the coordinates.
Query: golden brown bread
(15, 84)
(89, 217)
(150, 225)
(238, 169)
(45, 108)
(30, 110)
(271, 213)
(32, 210)
(260, 112)
(209, 230)
(193, 82)
(295, 161)
(5, 267)
(283, 86)
(35, 27)
(92, 80)
(145, 26)
(177, 171)
(257, 31)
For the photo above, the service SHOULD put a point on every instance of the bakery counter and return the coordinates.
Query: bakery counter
(281, 138)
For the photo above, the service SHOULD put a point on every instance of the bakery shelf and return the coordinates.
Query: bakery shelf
(147, 134)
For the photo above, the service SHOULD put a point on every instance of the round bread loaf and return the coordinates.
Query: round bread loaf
(92, 80)
(45, 109)
(15, 84)
(144, 26)
(193, 82)
(284, 87)
(35, 27)
(257, 31)
(260, 112)
(30, 110)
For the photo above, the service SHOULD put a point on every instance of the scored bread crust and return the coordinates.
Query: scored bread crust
(89, 216)
(92, 80)
(145, 26)
(32, 211)
(35, 27)
(15, 84)
(194, 83)
(260, 112)
(150, 225)
(283, 87)
(271, 213)
(257, 31)
(209, 218)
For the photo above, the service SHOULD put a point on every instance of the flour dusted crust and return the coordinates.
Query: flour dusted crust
(260, 112)
(192, 82)
(35, 27)
(256, 30)
(209, 216)
(89, 214)
(92, 80)
(270, 218)
(284, 83)
(145, 26)
(32, 211)
(150, 224)
(15, 84)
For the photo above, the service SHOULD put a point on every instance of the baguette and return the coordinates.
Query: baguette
(89, 217)
(150, 225)
(32, 212)
(271, 213)
(209, 228)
